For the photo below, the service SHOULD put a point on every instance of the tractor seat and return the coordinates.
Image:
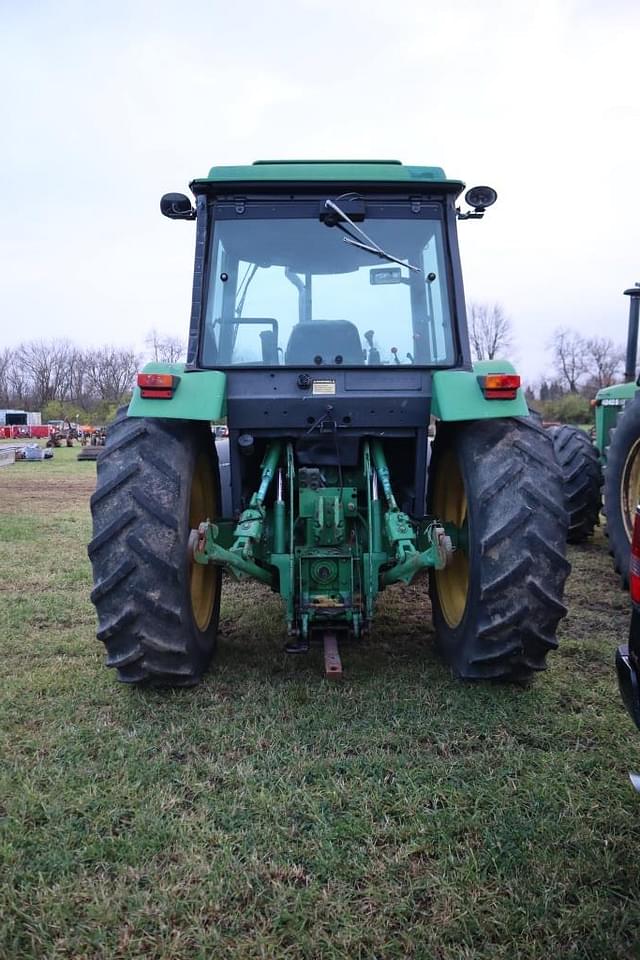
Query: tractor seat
(328, 339)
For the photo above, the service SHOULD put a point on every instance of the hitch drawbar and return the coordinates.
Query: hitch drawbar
(332, 661)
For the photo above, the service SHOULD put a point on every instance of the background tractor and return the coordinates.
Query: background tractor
(327, 325)
(617, 439)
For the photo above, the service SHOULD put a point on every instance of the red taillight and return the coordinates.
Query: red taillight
(634, 565)
(500, 386)
(157, 386)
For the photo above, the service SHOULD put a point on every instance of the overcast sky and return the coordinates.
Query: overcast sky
(107, 105)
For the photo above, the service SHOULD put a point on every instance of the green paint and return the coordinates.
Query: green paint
(269, 466)
(279, 527)
(610, 402)
(200, 395)
(415, 562)
(347, 546)
(233, 562)
(325, 511)
(380, 462)
(339, 171)
(457, 394)
(624, 391)
(249, 531)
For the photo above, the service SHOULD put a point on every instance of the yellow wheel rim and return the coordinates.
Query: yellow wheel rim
(630, 488)
(450, 506)
(204, 580)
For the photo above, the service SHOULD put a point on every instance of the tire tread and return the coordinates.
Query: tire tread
(518, 569)
(138, 552)
(582, 478)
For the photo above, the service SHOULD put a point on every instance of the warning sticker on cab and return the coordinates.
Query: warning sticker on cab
(323, 387)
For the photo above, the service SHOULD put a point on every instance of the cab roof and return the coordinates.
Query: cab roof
(279, 172)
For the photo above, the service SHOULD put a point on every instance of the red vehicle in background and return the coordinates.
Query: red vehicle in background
(24, 432)
(628, 655)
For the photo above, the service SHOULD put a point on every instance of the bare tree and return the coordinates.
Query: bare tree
(490, 330)
(604, 361)
(79, 382)
(39, 372)
(570, 357)
(164, 349)
(111, 372)
(6, 363)
(18, 389)
(45, 369)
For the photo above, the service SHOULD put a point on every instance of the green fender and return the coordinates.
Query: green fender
(609, 403)
(457, 394)
(199, 395)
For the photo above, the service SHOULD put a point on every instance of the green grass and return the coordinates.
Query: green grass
(268, 813)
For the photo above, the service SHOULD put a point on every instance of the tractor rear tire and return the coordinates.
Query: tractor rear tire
(157, 611)
(497, 605)
(622, 486)
(582, 474)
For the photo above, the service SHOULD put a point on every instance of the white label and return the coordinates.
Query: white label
(323, 387)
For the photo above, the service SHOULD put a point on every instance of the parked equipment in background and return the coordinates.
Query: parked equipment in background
(32, 451)
(327, 325)
(92, 440)
(618, 442)
(628, 654)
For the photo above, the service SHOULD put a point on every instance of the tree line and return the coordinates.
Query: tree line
(48, 374)
(59, 377)
(580, 365)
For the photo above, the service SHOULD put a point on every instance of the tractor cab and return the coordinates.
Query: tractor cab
(299, 269)
(328, 293)
(298, 282)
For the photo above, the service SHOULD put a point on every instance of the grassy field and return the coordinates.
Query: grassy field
(270, 814)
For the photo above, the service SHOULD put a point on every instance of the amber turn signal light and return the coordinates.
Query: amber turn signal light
(157, 386)
(500, 386)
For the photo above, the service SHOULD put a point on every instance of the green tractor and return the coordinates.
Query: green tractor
(328, 326)
(617, 410)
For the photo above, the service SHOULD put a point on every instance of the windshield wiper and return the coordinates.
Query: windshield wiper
(379, 252)
(371, 246)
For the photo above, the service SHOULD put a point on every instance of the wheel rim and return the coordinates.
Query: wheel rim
(450, 506)
(630, 488)
(203, 580)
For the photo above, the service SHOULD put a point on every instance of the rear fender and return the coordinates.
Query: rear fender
(457, 394)
(198, 395)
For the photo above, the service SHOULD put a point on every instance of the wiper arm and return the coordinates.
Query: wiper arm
(370, 245)
(379, 252)
(242, 293)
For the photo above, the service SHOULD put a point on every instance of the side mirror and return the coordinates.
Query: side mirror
(177, 207)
